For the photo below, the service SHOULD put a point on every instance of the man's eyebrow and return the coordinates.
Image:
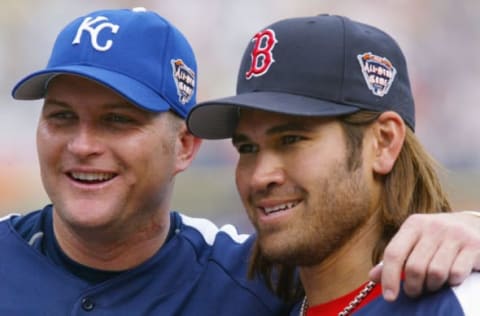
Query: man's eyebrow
(277, 129)
(113, 105)
(120, 105)
(290, 127)
(238, 138)
(52, 101)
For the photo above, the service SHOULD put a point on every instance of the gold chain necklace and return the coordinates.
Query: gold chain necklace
(350, 307)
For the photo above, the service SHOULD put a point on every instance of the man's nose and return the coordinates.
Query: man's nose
(85, 141)
(268, 171)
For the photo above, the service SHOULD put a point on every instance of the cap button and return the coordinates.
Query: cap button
(139, 9)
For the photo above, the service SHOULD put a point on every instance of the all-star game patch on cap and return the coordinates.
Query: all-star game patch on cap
(323, 65)
(135, 52)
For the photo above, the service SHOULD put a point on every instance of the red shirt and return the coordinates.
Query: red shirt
(334, 307)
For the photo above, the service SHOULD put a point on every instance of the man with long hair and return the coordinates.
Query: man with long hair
(329, 166)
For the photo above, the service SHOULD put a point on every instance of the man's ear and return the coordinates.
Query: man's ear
(389, 134)
(187, 149)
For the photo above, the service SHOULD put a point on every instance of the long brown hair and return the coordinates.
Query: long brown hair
(413, 186)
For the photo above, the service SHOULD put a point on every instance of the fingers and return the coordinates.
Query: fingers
(375, 273)
(440, 268)
(457, 257)
(461, 268)
(417, 266)
(394, 258)
(476, 264)
(428, 266)
(430, 250)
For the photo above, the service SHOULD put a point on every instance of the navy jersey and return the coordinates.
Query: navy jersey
(460, 300)
(200, 270)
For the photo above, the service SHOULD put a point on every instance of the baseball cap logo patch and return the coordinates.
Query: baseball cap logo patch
(378, 72)
(92, 26)
(262, 57)
(184, 80)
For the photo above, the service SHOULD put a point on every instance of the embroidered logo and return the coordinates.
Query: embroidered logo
(262, 57)
(94, 27)
(184, 80)
(378, 72)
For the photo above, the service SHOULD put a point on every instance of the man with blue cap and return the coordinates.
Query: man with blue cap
(111, 138)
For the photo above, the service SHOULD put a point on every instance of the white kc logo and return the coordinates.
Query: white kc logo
(88, 25)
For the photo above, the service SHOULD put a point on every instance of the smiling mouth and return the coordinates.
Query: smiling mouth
(279, 208)
(91, 177)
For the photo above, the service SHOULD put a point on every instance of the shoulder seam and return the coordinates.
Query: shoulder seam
(209, 231)
(8, 216)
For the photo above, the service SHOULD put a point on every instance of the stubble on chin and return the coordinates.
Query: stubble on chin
(343, 208)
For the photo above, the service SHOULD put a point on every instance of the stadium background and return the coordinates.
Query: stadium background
(441, 40)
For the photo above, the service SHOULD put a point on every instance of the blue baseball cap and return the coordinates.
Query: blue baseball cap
(135, 52)
(323, 65)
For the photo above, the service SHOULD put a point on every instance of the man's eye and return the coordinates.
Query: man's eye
(117, 118)
(246, 148)
(61, 116)
(290, 139)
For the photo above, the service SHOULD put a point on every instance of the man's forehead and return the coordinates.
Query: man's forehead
(72, 89)
(270, 123)
(76, 83)
(248, 116)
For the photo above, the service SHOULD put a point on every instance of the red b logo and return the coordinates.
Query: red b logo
(262, 57)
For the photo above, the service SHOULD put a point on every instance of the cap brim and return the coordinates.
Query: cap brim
(218, 119)
(35, 85)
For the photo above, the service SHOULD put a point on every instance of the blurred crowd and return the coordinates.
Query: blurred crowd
(441, 41)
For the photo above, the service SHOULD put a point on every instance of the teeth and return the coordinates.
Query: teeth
(95, 176)
(278, 208)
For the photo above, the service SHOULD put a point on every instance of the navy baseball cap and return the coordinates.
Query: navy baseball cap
(323, 65)
(135, 52)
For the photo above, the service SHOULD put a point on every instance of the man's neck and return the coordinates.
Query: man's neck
(343, 271)
(112, 252)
